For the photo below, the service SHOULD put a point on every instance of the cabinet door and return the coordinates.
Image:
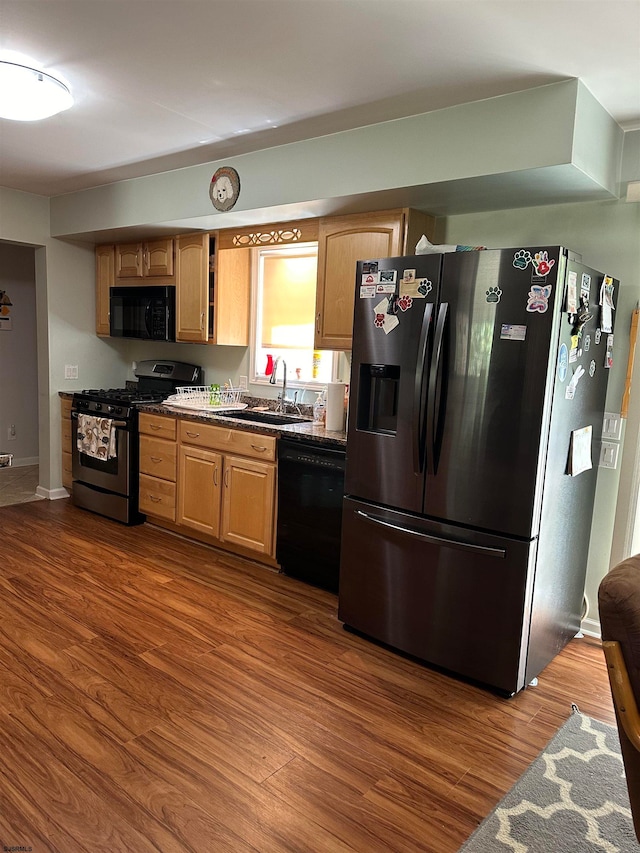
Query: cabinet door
(200, 474)
(158, 257)
(192, 272)
(129, 260)
(231, 297)
(248, 504)
(105, 280)
(342, 241)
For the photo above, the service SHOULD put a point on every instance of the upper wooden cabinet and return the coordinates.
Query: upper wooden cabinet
(213, 291)
(151, 259)
(105, 280)
(342, 242)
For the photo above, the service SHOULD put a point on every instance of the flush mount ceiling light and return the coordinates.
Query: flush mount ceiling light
(29, 95)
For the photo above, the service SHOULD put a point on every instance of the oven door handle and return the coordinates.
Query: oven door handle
(117, 424)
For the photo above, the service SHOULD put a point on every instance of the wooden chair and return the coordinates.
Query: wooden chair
(619, 607)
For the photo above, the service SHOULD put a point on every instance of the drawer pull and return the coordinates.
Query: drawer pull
(156, 458)
(155, 426)
(259, 448)
(155, 499)
(193, 434)
(226, 478)
(215, 476)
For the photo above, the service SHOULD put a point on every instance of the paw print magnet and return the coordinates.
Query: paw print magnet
(522, 259)
(493, 294)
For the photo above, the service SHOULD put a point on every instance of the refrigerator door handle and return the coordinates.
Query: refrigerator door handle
(436, 540)
(418, 391)
(434, 398)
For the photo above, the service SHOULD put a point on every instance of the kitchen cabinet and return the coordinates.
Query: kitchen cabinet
(105, 280)
(227, 481)
(65, 444)
(344, 240)
(213, 291)
(152, 259)
(214, 483)
(158, 466)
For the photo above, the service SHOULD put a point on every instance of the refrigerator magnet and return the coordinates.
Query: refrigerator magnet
(367, 291)
(512, 332)
(404, 303)
(572, 292)
(370, 278)
(538, 300)
(592, 368)
(598, 336)
(585, 288)
(385, 288)
(388, 276)
(521, 259)
(369, 266)
(416, 289)
(608, 358)
(563, 362)
(408, 275)
(493, 295)
(587, 343)
(542, 264)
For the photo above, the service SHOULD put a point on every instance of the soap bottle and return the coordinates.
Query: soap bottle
(319, 410)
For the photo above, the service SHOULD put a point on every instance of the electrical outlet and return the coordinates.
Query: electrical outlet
(11, 432)
(243, 383)
(71, 371)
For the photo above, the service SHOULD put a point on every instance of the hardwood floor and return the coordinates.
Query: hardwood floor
(156, 695)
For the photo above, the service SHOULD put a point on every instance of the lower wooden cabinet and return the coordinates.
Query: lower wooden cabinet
(66, 448)
(215, 483)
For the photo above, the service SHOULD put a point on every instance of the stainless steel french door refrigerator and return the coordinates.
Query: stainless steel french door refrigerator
(477, 395)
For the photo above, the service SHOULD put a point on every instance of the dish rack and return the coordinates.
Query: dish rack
(207, 397)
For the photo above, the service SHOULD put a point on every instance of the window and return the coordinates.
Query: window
(284, 315)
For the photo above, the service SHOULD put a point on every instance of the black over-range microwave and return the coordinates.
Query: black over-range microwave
(148, 313)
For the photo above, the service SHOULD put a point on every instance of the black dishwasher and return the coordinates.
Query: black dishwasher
(310, 492)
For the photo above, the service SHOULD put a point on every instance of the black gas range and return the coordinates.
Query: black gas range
(108, 484)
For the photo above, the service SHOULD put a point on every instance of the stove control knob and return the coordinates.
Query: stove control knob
(119, 410)
(98, 407)
(110, 408)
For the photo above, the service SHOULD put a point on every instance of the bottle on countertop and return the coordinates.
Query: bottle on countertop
(319, 410)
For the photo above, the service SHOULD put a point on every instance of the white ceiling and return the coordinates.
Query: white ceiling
(161, 84)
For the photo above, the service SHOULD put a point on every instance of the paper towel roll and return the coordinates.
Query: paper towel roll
(335, 406)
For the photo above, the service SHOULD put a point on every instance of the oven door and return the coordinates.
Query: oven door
(111, 475)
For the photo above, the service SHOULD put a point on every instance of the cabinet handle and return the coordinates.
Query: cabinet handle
(259, 448)
(155, 426)
(226, 478)
(155, 499)
(318, 323)
(202, 321)
(193, 434)
(215, 476)
(156, 458)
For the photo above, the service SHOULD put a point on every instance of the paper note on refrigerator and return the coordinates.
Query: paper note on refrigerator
(580, 451)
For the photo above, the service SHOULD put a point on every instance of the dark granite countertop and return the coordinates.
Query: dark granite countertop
(303, 431)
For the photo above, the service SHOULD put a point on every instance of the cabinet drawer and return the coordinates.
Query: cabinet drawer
(222, 438)
(157, 497)
(157, 425)
(158, 457)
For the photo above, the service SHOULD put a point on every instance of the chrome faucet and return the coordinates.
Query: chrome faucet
(282, 398)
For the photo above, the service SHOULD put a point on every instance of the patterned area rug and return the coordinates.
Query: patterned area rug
(572, 799)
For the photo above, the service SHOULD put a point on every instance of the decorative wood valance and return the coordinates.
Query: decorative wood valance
(278, 234)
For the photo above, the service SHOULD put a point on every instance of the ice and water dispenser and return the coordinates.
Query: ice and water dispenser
(378, 396)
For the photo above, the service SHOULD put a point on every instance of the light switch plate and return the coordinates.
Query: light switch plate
(612, 425)
(609, 454)
(71, 371)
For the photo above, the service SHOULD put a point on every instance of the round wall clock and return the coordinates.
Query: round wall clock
(225, 188)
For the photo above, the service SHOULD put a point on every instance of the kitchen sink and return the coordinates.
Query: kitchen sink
(274, 418)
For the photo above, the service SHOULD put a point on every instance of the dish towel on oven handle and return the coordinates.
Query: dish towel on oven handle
(96, 437)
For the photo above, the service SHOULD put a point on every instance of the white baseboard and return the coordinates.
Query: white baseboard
(22, 463)
(591, 627)
(51, 494)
